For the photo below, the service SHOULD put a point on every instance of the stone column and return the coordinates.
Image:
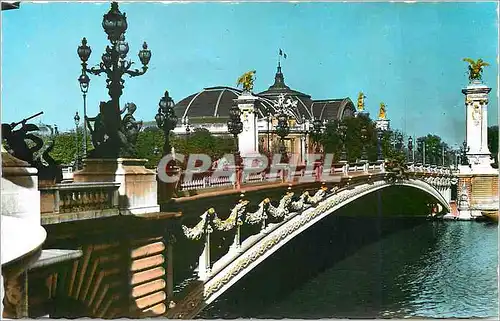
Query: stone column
(248, 139)
(476, 109)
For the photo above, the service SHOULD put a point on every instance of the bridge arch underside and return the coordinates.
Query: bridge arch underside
(331, 239)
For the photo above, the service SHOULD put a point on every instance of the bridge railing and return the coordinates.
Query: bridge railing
(286, 173)
(78, 197)
(280, 172)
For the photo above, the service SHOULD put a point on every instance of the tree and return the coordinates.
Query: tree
(65, 148)
(433, 150)
(354, 142)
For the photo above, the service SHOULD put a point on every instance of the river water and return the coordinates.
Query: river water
(444, 269)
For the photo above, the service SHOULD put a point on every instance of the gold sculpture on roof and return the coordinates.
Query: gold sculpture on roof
(361, 101)
(381, 111)
(246, 80)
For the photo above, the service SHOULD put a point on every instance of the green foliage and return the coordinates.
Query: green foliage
(150, 146)
(201, 141)
(331, 139)
(65, 147)
(433, 150)
(493, 143)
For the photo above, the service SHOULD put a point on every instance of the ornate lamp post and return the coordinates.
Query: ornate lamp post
(283, 129)
(463, 151)
(380, 134)
(410, 150)
(166, 119)
(84, 81)
(114, 63)
(343, 135)
(77, 153)
(317, 124)
(363, 142)
(399, 142)
(235, 127)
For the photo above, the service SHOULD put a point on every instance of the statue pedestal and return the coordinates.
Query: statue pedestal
(21, 230)
(138, 186)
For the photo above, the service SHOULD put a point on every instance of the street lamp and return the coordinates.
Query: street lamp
(235, 127)
(283, 129)
(77, 153)
(166, 119)
(84, 81)
(343, 135)
(399, 142)
(363, 142)
(464, 150)
(113, 64)
(380, 134)
(410, 149)
(317, 131)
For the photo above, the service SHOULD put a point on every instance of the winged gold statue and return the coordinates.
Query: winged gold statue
(361, 101)
(475, 68)
(246, 80)
(381, 111)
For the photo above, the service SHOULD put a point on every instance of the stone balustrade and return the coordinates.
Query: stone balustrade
(81, 199)
(284, 172)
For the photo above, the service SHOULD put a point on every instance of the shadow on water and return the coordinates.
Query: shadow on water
(436, 269)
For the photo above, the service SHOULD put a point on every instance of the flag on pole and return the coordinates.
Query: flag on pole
(281, 52)
(284, 56)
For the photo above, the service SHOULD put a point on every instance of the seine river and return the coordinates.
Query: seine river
(444, 269)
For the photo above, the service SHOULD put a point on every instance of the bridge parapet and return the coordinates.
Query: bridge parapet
(77, 201)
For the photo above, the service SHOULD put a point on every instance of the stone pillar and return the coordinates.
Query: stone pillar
(248, 139)
(382, 124)
(476, 110)
(21, 231)
(138, 191)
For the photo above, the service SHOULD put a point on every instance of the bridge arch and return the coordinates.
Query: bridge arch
(275, 237)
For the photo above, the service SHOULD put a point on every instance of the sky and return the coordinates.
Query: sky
(407, 55)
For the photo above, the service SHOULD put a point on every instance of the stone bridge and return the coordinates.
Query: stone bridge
(279, 223)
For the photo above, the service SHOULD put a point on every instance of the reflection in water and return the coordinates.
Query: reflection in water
(435, 269)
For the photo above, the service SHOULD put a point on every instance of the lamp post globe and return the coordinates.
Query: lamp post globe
(84, 51)
(144, 54)
(122, 47)
(76, 119)
(84, 81)
(114, 23)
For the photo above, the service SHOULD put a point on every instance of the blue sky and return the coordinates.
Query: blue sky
(406, 55)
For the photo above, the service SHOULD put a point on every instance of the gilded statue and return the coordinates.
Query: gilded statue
(381, 111)
(475, 68)
(361, 101)
(246, 80)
